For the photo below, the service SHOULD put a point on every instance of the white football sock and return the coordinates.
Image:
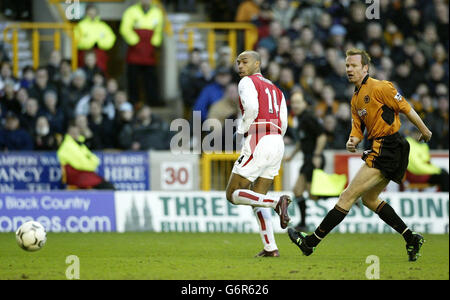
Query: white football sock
(264, 217)
(248, 197)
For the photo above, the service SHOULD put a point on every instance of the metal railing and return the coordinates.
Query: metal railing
(230, 36)
(37, 37)
(216, 169)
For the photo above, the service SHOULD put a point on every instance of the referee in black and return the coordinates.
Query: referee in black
(310, 138)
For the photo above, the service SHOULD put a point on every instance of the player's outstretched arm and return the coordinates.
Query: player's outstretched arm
(417, 121)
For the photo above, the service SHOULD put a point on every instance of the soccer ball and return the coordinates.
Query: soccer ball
(31, 236)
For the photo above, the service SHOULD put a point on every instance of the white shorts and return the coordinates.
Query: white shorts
(265, 160)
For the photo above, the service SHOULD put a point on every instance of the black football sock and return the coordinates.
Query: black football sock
(390, 217)
(301, 201)
(331, 220)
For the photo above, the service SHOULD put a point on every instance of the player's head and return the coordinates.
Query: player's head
(357, 65)
(298, 103)
(248, 63)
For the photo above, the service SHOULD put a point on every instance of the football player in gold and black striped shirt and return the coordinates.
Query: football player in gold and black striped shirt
(376, 106)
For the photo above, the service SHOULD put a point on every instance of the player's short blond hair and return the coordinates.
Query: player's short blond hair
(365, 57)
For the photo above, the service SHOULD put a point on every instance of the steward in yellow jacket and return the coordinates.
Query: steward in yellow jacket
(142, 29)
(79, 163)
(421, 170)
(94, 34)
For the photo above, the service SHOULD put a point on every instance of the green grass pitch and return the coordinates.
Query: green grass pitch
(219, 256)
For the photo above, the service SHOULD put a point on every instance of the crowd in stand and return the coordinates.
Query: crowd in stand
(302, 46)
(36, 109)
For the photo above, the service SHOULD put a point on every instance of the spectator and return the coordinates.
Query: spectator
(270, 42)
(53, 66)
(322, 29)
(298, 60)
(9, 101)
(102, 128)
(338, 34)
(436, 77)
(224, 59)
(79, 163)
(53, 113)
(44, 138)
(273, 72)
(403, 78)
(150, 132)
(112, 87)
(125, 126)
(90, 139)
(6, 73)
(337, 78)
(357, 22)
(90, 67)
(41, 85)
(286, 82)
(264, 20)
(327, 104)
(188, 79)
(77, 90)
(226, 107)
(343, 125)
(65, 77)
(27, 79)
(282, 54)
(29, 117)
(306, 38)
(265, 59)
(329, 126)
(212, 92)
(284, 11)
(141, 27)
(419, 67)
(307, 78)
(22, 97)
(437, 121)
(428, 40)
(293, 32)
(12, 137)
(248, 10)
(94, 35)
(98, 94)
(317, 57)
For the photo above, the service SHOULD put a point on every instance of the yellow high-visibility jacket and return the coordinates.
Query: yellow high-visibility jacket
(89, 32)
(134, 19)
(419, 159)
(77, 155)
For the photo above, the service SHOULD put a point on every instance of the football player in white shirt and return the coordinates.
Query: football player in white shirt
(264, 123)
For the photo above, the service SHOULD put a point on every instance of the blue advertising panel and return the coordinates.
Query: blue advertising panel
(62, 211)
(30, 171)
(41, 171)
(127, 170)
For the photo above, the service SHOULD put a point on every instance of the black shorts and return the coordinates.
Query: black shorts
(390, 155)
(308, 166)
